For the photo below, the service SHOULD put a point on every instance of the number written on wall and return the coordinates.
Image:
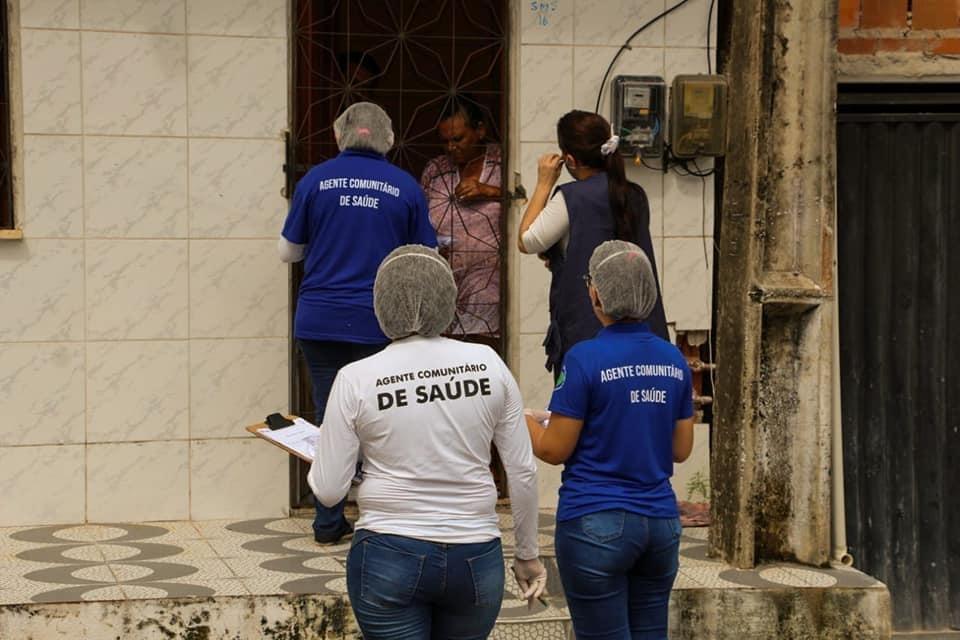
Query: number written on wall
(542, 10)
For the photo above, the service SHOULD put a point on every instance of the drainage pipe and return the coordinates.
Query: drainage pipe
(838, 528)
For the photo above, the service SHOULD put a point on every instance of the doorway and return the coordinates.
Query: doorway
(898, 211)
(416, 59)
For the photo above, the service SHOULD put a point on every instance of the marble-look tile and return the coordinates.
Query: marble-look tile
(51, 81)
(611, 22)
(136, 289)
(590, 63)
(235, 188)
(134, 84)
(546, 22)
(235, 383)
(135, 187)
(41, 286)
(687, 26)
(683, 61)
(138, 481)
(155, 408)
(41, 392)
(238, 86)
(244, 478)
(50, 14)
(238, 289)
(152, 16)
(688, 203)
(536, 383)
(546, 90)
(698, 462)
(238, 18)
(652, 183)
(53, 186)
(688, 282)
(534, 303)
(41, 485)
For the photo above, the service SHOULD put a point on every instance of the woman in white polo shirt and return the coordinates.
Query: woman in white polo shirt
(426, 560)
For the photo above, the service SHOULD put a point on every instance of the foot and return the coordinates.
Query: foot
(345, 530)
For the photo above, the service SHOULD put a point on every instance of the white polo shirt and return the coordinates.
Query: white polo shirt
(422, 414)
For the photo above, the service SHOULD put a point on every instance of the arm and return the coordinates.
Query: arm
(548, 172)
(514, 448)
(421, 229)
(682, 440)
(556, 443)
(290, 252)
(550, 227)
(335, 462)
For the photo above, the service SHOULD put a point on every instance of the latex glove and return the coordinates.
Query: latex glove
(531, 577)
(537, 414)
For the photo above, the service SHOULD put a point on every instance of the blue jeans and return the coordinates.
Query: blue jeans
(324, 359)
(617, 570)
(407, 589)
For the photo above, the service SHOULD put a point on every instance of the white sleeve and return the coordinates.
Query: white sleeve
(550, 227)
(335, 462)
(516, 452)
(290, 252)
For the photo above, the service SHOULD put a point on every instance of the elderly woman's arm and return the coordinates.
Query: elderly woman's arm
(514, 448)
(335, 461)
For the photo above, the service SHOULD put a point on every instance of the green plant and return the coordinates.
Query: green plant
(699, 484)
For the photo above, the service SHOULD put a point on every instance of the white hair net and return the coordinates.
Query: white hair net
(624, 280)
(414, 293)
(364, 125)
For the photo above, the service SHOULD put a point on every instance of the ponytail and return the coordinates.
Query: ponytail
(587, 137)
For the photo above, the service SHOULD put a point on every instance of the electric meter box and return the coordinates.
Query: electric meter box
(698, 116)
(638, 114)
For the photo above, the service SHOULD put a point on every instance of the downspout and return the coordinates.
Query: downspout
(838, 528)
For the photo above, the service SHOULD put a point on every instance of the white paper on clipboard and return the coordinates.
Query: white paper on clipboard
(300, 437)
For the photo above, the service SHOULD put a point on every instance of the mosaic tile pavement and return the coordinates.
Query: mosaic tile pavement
(55, 564)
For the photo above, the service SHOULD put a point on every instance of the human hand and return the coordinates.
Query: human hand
(548, 169)
(473, 189)
(531, 577)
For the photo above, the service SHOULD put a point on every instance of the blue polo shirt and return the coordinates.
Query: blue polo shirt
(351, 211)
(629, 387)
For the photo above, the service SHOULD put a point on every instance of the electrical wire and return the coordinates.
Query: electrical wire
(709, 27)
(626, 45)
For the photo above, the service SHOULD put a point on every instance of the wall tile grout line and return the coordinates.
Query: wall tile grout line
(163, 136)
(82, 29)
(186, 79)
(83, 213)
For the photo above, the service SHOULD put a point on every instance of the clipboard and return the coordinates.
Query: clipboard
(261, 429)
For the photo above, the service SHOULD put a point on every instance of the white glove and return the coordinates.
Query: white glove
(531, 577)
(538, 414)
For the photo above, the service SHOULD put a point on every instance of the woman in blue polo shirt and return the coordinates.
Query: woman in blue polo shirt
(620, 416)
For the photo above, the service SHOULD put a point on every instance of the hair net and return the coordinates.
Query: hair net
(414, 293)
(624, 280)
(364, 125)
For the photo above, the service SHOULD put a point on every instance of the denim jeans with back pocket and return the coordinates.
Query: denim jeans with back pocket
(407, 589)
(617, 570)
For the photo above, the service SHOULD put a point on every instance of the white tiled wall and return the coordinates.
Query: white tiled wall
(565, 47)
(144, 315)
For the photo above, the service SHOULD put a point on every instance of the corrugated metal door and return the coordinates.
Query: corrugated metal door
(899, 276)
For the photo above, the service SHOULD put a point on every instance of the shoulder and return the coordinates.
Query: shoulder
(436, 166)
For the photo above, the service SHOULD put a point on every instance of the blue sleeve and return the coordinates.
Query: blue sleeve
(685, 401)
(421, 231)
(571, 396)
(296, 229)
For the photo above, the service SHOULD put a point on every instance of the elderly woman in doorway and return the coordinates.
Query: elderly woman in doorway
(426, 561)
(620, 416)
(463, 189)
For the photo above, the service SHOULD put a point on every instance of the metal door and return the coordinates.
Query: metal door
(898, 184)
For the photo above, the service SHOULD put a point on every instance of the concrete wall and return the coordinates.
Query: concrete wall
(144, 314)
(563, 49)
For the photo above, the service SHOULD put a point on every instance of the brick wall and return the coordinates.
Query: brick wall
(868, 27)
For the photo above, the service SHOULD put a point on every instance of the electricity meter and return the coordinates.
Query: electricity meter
(698, 116)
(638, 114)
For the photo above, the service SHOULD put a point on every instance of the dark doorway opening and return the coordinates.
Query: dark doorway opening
(416, 59)
(898, 179)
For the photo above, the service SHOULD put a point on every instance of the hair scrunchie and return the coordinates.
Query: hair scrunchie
(610, 145)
